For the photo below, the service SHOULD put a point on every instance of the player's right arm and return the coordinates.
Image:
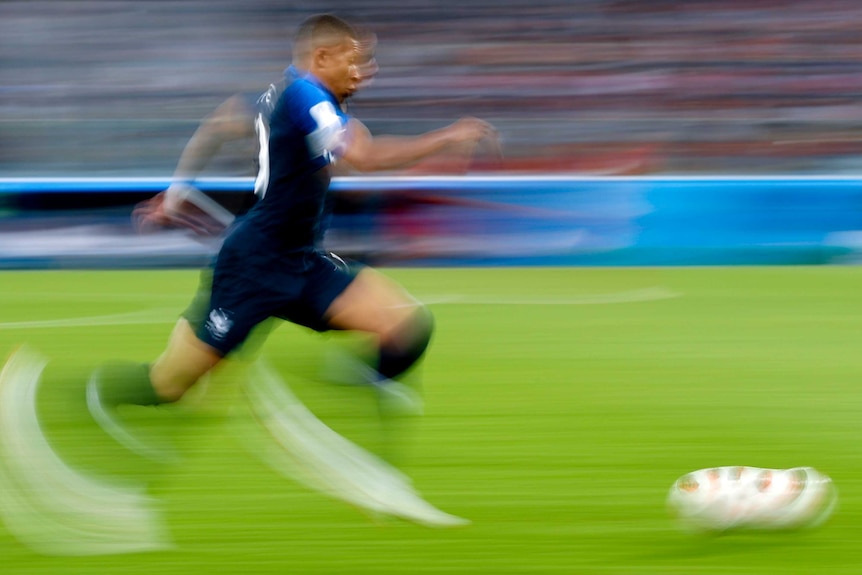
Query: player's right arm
(370, 154)
(232, 120)
(183, 205)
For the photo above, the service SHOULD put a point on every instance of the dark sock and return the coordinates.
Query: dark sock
(126, 383)
(396, 358)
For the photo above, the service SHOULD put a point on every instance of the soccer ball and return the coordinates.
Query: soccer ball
(736, 497)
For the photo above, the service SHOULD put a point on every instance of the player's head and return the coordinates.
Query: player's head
(334, 53)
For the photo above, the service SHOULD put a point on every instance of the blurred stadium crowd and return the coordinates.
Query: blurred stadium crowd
(720, 86)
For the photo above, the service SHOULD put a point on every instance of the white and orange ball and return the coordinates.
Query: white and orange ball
(720, 499)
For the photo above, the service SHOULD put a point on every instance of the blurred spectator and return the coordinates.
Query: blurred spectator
(115, 88)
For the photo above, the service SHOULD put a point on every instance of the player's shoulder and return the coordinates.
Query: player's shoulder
(304, 103)
(304, 90)
(301, 96)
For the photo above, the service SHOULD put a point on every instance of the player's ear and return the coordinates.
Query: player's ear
(320, 57)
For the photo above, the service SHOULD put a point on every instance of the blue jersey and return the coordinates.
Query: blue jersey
(261, 106)
(307, 131)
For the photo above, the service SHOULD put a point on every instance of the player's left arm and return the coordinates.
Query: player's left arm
(367, 153)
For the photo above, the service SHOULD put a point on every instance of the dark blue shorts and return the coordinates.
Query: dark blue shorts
(241, 298)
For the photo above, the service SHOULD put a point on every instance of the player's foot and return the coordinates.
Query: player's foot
(394, 399)
(110, 420)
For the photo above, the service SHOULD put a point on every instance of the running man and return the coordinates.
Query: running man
(271, 264)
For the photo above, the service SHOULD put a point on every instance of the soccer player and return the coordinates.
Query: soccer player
(182, 205)
(271, 265)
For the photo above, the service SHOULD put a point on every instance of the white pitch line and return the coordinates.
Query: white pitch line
(632, 296)
(147, 316)
(95, 296)
(167, 315)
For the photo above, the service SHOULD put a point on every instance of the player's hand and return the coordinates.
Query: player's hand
(171, 209)
(472, 131)
(475, 136)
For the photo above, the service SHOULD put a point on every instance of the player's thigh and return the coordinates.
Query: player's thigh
(373, 303)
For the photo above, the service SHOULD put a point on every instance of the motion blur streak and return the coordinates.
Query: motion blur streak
(306, 450)
(48, 505)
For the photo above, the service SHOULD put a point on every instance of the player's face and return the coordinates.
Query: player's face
(345, 77)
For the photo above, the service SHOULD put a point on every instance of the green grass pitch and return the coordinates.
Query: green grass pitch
(560, 406)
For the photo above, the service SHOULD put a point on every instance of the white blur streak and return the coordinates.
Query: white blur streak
(49, 506)
(303, 448)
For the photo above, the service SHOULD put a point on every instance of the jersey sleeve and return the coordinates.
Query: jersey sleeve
(323, 125)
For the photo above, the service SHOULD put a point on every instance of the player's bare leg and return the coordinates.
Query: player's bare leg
(185, 360)
(375, 304)
(400, 324)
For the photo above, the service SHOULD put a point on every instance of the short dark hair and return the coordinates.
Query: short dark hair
(323, 30)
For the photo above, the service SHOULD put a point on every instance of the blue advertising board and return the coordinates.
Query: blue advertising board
(474, 220)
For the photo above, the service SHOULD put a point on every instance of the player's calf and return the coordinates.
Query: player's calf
(406, 344)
